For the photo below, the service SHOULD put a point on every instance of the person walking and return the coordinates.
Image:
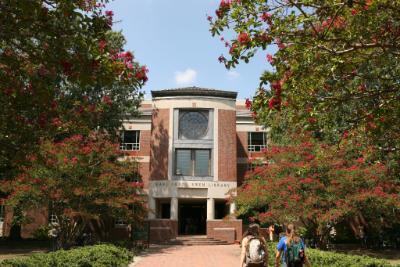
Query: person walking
(254, 248)
(290, 251)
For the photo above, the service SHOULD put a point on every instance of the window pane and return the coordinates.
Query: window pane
(202, 162)
(183, 162)
(131, 137)
(193, 124)
(257, 139)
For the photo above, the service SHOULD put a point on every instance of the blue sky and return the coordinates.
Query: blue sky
(172, 38)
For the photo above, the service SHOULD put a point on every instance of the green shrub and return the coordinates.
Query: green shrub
(331, 259)
(42, 233)
(90, 256)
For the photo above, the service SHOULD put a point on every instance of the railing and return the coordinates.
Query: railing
(256, 148)
(129, 146)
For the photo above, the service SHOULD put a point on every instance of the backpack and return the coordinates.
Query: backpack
(295, 254)
(255, 251)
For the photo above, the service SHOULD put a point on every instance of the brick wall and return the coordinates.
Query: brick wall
(144, 145)
(241, 138)
(39, 217)
(7, 220)
(159, 145)
(221, 229)
(227, 159)
(163, 230)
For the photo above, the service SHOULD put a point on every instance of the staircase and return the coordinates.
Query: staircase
(196, 240)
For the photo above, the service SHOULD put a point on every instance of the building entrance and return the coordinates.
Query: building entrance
(192, 217)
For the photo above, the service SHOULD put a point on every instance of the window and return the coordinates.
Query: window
(52, 216)
(257, 141)
(2, 213)
(120, 222)
(130, 140)
(193, 125)
(193, 162)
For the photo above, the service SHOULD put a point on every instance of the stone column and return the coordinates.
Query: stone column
(174, 208)
(232, 208)
(210, 209)
(152, 208)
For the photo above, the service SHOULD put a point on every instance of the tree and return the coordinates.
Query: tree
(321, 186)
(336, 66)
(62, 72)
(83, 180)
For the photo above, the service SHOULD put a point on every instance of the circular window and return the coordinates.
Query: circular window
(193, 124)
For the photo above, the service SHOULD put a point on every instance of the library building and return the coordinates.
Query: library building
(194, 147)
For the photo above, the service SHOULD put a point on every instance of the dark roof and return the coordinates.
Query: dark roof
(194, 91)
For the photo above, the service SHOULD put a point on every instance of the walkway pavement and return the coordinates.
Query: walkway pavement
(189, 256)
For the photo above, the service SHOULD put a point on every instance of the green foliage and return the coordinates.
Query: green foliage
(41, 233)
(62, 71)
(96, 256)
(321, 186)
(335, 69)
(83, 179)
(331, 259)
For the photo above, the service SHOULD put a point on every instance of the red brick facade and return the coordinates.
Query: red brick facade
(159, 144)
(227, 158)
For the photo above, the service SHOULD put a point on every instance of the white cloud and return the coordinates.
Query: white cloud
(232, 74)
(187, 77)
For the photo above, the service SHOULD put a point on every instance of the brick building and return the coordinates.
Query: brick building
(193, 146)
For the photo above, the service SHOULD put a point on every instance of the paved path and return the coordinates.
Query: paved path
(189, 256)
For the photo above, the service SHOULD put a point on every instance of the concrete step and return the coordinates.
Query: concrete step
(196, 241)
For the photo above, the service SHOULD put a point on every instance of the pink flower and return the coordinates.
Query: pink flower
(248, 103)
(270, 58)
(243, 38)
(109, 13)
(266, 16)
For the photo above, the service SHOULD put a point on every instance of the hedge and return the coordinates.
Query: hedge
(89, 256)
(331, 259)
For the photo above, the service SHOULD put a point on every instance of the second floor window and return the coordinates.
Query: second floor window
(193, 162)
(257, 141)
(130, 140)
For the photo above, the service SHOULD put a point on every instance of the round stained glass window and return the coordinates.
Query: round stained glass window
(193, 124)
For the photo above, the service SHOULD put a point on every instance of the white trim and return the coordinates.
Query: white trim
(137, 126)
(170, 143)
(200, 102)
(216, 147)
(244, 127)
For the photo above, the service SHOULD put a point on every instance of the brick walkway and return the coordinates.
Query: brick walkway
(189, 256)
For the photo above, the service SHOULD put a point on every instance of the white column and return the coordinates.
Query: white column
(232, 208)
(210, 209)
(174, 208)
(152, 208)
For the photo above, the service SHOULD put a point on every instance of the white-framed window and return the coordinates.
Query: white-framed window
(119, 222)
(257, 141)
(52, 216)
(2, 213)
(130, 140)
(193, 162)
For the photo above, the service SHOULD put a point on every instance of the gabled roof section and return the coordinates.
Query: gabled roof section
(194, 91)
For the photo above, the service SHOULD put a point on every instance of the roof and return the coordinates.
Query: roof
(194, 91)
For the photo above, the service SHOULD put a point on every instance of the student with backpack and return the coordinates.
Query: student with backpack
(254, 248)
(291, 250)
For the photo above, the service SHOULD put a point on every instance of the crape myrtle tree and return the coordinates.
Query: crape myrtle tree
(86, 183)
(334, 74)
(63, 73)
(321, 186)
(336, 66)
